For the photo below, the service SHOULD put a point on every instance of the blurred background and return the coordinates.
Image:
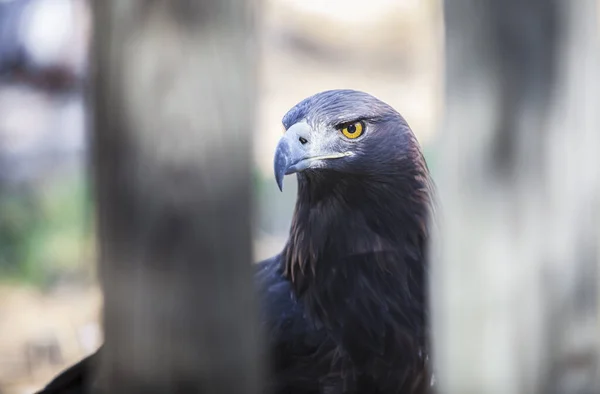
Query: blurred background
(49, 299)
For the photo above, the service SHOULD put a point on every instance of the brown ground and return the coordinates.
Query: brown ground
(42, 333)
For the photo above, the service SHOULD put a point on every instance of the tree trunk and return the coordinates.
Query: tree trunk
(515, 272)
(174, 88)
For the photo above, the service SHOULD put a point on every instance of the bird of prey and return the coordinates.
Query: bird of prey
(343, 306)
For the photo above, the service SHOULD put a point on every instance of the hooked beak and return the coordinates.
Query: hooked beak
(296, 152)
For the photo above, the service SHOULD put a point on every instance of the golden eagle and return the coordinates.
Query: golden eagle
(344, 304)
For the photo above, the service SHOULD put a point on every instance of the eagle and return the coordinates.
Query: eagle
(343, 305)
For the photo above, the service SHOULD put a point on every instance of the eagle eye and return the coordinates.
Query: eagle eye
(353, 130)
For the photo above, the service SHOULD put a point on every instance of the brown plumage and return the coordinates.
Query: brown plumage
(356, 257)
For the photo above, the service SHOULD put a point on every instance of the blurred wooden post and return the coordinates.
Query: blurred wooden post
(174, 88)
(515, 268)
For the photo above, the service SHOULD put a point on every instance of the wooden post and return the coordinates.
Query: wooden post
(515, 267)
(174, 88)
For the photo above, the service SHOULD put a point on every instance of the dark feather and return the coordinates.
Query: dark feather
(356, 257)
(74, 380)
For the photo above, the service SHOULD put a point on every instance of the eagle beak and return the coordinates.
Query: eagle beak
(282, 160)
(296, 152)
(291, 151)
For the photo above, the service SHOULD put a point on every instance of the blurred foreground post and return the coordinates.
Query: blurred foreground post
(515, 273)
(174, 91)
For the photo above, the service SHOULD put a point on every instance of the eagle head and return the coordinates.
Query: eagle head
(345, 132)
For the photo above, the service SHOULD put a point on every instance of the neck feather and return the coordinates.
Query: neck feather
(339, 218)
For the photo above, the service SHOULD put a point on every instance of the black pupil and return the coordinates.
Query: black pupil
(352, 129)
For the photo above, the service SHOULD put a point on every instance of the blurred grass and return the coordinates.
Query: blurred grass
(45, 230)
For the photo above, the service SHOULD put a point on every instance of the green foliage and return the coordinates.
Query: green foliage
(17, 221)
(45, 230)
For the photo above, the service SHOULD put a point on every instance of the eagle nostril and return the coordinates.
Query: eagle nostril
(302, 140)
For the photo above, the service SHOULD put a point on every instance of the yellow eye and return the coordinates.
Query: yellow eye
(353, 130)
